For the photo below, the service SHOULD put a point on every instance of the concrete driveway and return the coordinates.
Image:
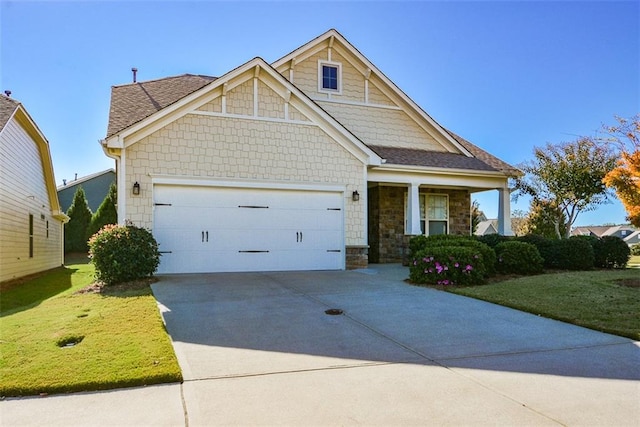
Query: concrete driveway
(258, 348)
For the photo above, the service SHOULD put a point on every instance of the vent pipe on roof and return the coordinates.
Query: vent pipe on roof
(8, 93)
(134, 71)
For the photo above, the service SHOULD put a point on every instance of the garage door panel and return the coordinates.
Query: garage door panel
(203, 229)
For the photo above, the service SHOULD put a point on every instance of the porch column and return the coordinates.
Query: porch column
(504, 212)
(413, 209)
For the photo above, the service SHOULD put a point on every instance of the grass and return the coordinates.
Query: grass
(55, 340)
(592, 299)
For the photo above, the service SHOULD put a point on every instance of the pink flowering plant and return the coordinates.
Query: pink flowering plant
(451, 265)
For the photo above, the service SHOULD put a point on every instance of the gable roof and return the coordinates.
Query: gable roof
(135, 102)
(131, 103)
(12, 109)
(341, 134)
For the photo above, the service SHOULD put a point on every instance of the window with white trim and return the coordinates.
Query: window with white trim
(434, 214)
(329, 77)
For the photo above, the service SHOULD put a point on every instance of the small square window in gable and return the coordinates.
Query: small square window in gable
(329, 77)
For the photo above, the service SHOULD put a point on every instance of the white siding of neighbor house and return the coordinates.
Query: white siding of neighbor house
(23, 191)
(362, 107)
(238, 145)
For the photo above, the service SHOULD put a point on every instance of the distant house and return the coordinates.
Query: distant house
(628, 233)
(95, 186)
(487, 227)
(31, 220)
(633, 238)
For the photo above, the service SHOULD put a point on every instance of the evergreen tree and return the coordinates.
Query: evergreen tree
(106, 213)
(75, 231)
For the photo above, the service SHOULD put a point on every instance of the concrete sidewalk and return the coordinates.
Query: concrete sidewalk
(258, 348)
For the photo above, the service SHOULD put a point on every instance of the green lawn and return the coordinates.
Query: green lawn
(591, 299)
(123, 340)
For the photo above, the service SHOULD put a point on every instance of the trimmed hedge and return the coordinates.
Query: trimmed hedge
(122, 253)
(611, 252)
(492, 240)
(518, 258)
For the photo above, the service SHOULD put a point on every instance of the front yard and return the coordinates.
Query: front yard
(56, 340)
(604, 300)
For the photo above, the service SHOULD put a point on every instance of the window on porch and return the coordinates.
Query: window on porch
(434, 214)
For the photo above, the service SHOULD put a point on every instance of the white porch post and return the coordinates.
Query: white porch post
(504, 212)
(413, 209)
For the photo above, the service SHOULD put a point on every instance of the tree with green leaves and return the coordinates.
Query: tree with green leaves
(475, 216)
(545, 219)
(106, 213)
(75, 231)
(567, 177)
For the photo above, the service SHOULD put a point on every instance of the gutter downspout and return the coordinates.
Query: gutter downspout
(120, 178)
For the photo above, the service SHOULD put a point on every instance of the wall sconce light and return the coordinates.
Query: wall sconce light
(136, 189)
(355, 196)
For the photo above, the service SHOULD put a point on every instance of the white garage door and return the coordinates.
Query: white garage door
(204, 229)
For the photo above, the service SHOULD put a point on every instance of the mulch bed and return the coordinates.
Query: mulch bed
(631, 283)
(120, 288)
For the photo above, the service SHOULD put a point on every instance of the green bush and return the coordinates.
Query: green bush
(518, 258)
(75, 231)
(545, 246)
(611, 252)
(420, 243)
(106, 213)
(492, 240)
(574, 253)
(122, 253)
(635, 249)
(447, 265)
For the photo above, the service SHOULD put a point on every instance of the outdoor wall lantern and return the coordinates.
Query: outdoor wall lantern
(136, 188)
(355, 196)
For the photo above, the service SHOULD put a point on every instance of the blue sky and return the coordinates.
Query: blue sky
(508, 76)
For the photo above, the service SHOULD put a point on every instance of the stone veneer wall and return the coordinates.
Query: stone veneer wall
(387, 239)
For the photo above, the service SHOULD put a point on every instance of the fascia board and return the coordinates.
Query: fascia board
(439, 171)
(23, 118)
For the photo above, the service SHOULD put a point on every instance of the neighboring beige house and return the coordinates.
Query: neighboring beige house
(628, 233)
(315, 161)
(31, 222)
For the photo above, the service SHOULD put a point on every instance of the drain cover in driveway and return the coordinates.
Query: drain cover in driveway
(333, 311)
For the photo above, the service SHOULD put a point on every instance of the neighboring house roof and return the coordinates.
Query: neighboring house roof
(602, 230)
(633, 238)
(7, 107)
(10, 109)
(486, 227)
(131, 103)
(96, 187)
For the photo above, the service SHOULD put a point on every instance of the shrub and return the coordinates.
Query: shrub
(574, 253)
(518, 258)
(106, 213)
(420, 243)
(447, 265)
(611, 252)
(75, 231)
(545, 246)
(635, 249)
(123, 253)
(492, 240)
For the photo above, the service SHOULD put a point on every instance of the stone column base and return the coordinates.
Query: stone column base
(357, 257)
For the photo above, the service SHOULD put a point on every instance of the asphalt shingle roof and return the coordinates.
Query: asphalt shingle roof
(134, 102)
(426, 158)
(7, 107)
